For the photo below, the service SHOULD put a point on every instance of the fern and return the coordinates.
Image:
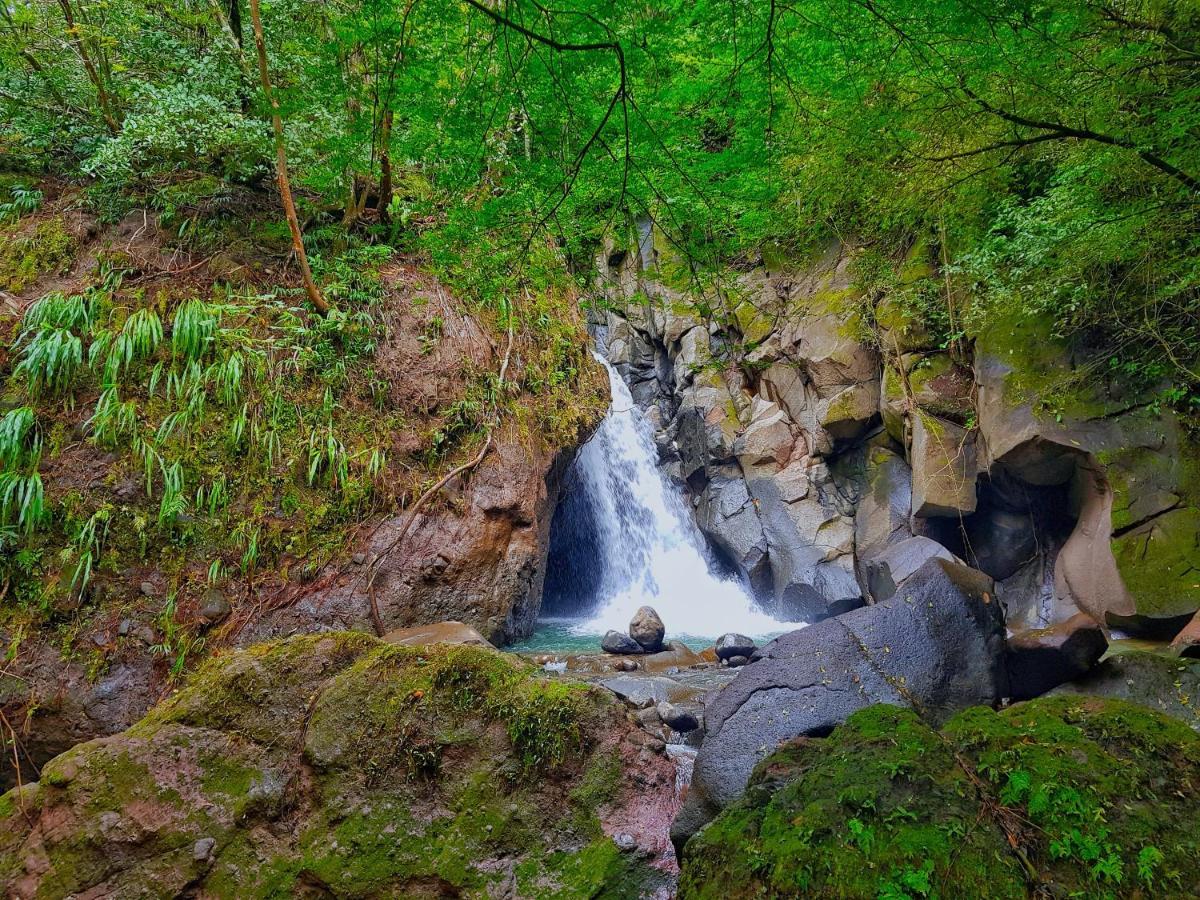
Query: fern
(51, 359)
(22, 500)
(193, 330)
(114, 420)
(19, 438)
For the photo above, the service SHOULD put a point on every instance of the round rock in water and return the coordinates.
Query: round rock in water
(734, 645)
(615, 642)
(676, 718)
(647, 629)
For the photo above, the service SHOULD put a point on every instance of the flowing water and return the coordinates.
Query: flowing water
(641, 545)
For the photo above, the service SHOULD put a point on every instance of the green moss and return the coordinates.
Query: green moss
(26, 257)
(598, 871)
(886, 806)
(1160, 563)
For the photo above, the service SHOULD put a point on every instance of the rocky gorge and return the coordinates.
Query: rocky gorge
(594, 451)
(949, 544)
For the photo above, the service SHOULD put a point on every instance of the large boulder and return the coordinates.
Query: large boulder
(888, 569)
(647, 629)
(1167, 684)
(1043, 658)
(619, 642)
(340, 766)
(939, 644)
(1062, 797)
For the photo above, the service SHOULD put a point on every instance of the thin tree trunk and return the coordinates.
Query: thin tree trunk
(106, 104)
(281, 167)
(385, 168)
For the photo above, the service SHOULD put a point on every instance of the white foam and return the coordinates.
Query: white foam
(651, 550)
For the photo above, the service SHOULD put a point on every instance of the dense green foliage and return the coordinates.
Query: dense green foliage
(1044, 149)
(1028, 158)
(1067, 796)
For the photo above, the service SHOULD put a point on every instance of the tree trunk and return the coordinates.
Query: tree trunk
(385, 168)
(281, 167)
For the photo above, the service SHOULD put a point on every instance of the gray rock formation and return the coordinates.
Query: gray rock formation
(940, 647)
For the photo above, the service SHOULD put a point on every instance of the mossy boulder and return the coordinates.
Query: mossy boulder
(1043, 418)
(29, 252)
(1062, 796)
(342, 766)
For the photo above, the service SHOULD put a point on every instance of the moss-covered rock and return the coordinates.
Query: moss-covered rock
(353, 768)
(1062, 796)
(28, 253)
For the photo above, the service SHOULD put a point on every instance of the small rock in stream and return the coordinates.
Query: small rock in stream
(676, 718)
(615, 642)
(734, 644)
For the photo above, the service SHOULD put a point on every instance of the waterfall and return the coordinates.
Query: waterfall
(647, 549)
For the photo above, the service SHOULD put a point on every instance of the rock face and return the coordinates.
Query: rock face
(938, 644)
(321, 765)
(647, 629)
(807, 454)
(483, 566)
(884, 807)
(1171, 686)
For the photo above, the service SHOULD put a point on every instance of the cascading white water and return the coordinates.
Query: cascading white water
(651, 552)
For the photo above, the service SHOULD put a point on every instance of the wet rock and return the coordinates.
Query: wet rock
(647, 629)
(1168, 684)
(737, 661)
(885, 507)
(437, 633)
(1041, 659)
(648, 717)
(674, 656)
(626, 665)
(943, 640)
(678, 719)
(616, 642)
(1187, 642)
(734, 644)
(645, 690)
(214, 607)
(888, 569)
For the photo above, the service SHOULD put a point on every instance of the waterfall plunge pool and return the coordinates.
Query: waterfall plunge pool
(623, 537)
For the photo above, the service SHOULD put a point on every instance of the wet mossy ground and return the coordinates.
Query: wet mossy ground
(341, 765)
(1065, 796)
